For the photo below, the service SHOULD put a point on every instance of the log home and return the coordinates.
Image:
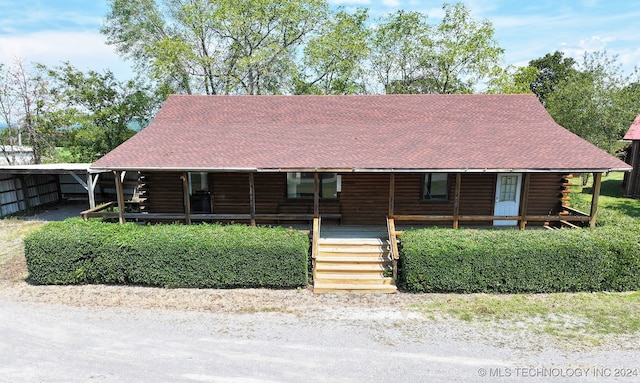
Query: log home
(455, 160)
(440, 159)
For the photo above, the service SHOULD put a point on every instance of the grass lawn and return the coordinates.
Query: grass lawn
(611, 196)
(582, 319)
(12, 231)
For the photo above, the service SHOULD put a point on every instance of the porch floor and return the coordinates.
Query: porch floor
(353, 231)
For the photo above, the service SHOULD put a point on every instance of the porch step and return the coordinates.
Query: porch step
(320, 288)
(353, 265)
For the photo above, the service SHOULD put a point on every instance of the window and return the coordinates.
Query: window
(301, 185)
(436, 186)
(508, 188)
(199, 192)
(198, 183)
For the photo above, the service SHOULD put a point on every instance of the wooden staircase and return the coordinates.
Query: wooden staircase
(353, 265)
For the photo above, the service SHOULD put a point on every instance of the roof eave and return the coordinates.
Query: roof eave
(361, 170)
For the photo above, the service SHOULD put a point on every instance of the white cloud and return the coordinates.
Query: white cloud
(391, 3)
(594, 43)
(349, 2)
(84, 50)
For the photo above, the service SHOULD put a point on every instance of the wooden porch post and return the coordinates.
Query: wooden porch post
(186, 198)
(595, 194)
(120, 195)
(252, 199)
(91, 189)
(316, 195)
(456, 202)
(392, 192)
(524, 201)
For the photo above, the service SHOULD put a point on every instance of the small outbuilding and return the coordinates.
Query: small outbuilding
(632, 181)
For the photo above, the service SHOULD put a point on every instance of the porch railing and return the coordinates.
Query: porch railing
(393, 244)
(577, 217)
(109, 210)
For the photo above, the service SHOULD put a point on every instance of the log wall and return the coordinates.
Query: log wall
(161, 192)
(364, 198)
(545, 193)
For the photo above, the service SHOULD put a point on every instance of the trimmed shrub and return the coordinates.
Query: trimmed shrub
(513, 261)
(204, 256)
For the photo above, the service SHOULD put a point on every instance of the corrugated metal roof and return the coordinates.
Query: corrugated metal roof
(357, 133)
(61, 168)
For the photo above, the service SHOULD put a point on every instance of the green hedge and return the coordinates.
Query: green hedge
(204, 256)
(513, 261)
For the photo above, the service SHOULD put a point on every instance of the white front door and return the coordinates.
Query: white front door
(507, 197)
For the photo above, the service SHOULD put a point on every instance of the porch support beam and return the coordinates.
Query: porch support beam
(252, 199)
(79, 180)
(456, 201)
(120, 195)
(595, 195)
(392, 194)
(91, 183)
(186, 198)
(524, 201)
(316, 195)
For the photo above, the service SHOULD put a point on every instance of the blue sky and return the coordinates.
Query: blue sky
(53, 31)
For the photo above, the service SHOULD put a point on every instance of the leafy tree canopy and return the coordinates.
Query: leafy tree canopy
(596, 101)
(300, 46)
(97, 111)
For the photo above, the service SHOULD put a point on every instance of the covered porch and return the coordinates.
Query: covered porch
(368, 198)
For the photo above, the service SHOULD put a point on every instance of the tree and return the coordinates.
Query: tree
(552, 69)
(98, 111)
(26, 107)
(12, 134)
(399, 43)
(513, 80)
(221, 47)
(464, 52)
(411, 56)
(597, 101)
(334, 58)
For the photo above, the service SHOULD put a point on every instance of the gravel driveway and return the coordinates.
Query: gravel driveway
(134, 334)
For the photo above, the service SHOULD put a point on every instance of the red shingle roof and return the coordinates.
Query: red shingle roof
(390, 132)
(634, 131)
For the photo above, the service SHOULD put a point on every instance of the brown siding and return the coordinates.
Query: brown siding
(230, 193)
(161, 192)
(364, 198)
(270, 192)
(633, 178)
(477, 194)
(545, 191)
(408, 197)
